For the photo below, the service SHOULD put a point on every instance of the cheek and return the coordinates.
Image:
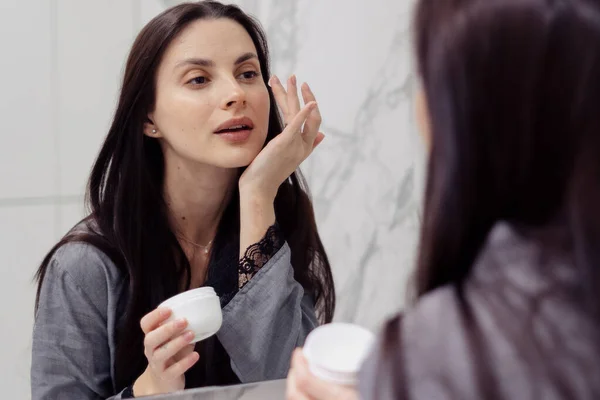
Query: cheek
(182, 113)
(262, 105)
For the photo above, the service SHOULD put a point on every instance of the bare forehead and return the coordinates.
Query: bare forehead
(221, 40)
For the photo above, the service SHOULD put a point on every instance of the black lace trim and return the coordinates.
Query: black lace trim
(257, 255)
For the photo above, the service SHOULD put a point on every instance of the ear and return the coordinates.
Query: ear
(422, 116)
(150, 128)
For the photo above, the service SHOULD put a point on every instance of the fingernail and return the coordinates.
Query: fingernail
(181, 323)
(189, 335)
(293, 79)
(274, 80)
(164, 312)
(313, 105)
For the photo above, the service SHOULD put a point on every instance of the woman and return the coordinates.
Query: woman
(196, 184)
(508, 277)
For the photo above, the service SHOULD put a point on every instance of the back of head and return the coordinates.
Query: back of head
(513, 94)
(513, 91)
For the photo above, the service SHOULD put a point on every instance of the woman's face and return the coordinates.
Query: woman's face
(212, 106)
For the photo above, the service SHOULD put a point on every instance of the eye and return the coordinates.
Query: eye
(199, 80)
(249, 75)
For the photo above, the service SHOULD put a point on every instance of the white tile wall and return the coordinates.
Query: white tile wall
(27, 157)
(60, 72)
(93, 40)
(70, 214)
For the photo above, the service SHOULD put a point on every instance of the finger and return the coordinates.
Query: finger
(298, 362)
(294, 394)
(318, 389)
(180, 367)
(280, 96)
(294, 127)
(314, 387)
(163, 334)
(309, 96)
(318, 140)
(298, 359)
(185, 351)
(153, 319)
(291, 389)
(174, 348)
(307, 93)
(293, 102)
(313, 122)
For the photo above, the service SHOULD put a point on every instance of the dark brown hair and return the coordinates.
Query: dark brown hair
(128, 213)
(513, 95)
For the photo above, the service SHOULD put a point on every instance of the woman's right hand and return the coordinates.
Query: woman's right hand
(169, 352)
(301, 384)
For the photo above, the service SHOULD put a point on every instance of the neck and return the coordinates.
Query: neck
(196, 196)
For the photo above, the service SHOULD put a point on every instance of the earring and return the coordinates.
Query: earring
(154, 131)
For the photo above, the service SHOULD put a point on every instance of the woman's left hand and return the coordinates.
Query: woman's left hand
(282, 155)
(303, 385)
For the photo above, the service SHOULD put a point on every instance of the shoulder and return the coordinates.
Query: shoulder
(85, 265)
(79, 281)
(433, 314)
(435, 334)
(415, 350)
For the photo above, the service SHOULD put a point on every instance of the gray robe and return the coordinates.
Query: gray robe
(537, 342)
(74, 332)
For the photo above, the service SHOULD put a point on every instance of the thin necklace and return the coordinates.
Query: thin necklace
(206, 247)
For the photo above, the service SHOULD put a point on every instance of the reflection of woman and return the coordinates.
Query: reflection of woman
(194, 185)
(508, 278)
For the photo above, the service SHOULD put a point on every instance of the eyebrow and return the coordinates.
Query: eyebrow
(203, 62)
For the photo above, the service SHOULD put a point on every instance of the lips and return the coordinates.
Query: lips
(235, 125)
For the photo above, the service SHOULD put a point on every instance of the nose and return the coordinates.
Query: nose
(234, 95)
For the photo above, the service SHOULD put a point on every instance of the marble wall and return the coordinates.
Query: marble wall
(366, 177)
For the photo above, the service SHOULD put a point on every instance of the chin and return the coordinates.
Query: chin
(237, 158)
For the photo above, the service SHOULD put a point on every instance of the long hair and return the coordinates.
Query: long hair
(513, 94)
(128, 214)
